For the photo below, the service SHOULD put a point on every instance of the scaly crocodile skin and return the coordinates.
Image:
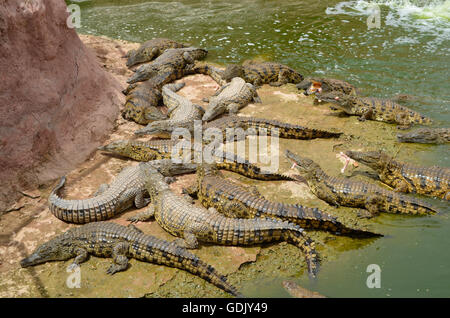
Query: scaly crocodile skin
(169, 66)
(358, 194)
(124, 191)
(258, 73)
(192, 224)
(426, 136)
(233, 200)
(181, 110)
(150, 50)
(404, 177)
(163, 148)
(230, 98)
(107, 239)
(371, 108)
(252, 125)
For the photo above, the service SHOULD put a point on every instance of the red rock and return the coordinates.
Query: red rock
(57, 103)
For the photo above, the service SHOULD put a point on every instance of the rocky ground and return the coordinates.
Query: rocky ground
(31, 222)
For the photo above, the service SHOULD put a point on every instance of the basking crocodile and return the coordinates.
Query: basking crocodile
(233, 200)
(404, 177)
(164, 149)
(150, 50)
(169, 66)
(258, 73)
(252, 125)
(326, 85)
(358, 194)
(371, 108)
(126, 190)
(142, 101)
(178, 216)
(426, 136)
(230, 98)
(119, 242)
(181, 110)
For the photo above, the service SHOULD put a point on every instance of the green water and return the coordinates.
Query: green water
(408, 54)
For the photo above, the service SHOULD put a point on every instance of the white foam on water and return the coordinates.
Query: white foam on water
(431, 18)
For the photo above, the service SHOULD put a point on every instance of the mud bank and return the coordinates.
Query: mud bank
(33, 223)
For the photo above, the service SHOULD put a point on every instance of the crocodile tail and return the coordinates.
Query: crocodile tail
(210, 274)
(174, 87)
(242, 166)
(399, 203)
(315, 219)
(298, 238)
(177, 256)
(290, 131)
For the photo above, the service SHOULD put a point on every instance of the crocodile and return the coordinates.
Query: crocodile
(191, 224)
(258, 73)
(169, 66)
(142, 101)
(405, 177)
(371, 108)
(181, 110)
(326, 85)
(119, 242)
(359, 194)
(426, 136)
(150, 50)
(233, 200)
(126, 190)
(164, 149)
(230, 98)
(251, 126)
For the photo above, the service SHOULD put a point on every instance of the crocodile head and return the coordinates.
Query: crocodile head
(169, 168)
(196, 53)
(140, 56)
(154, 114)
(119, 147)
(232, 71)
(338, 99)
(57, 249)
(157, 127)
(143, 73)
(374, 159)
(424, 136)
(305, 166)
(214, 109)
(310, 86)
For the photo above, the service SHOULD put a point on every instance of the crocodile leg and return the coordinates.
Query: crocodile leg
(323, 192)
(373, 204)
(120, 260)
(191, 190)
(81, 257)
(400, 186)
(282, 79)
(140, 201)
(143, 216)
(367, 115)
(233, 108)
